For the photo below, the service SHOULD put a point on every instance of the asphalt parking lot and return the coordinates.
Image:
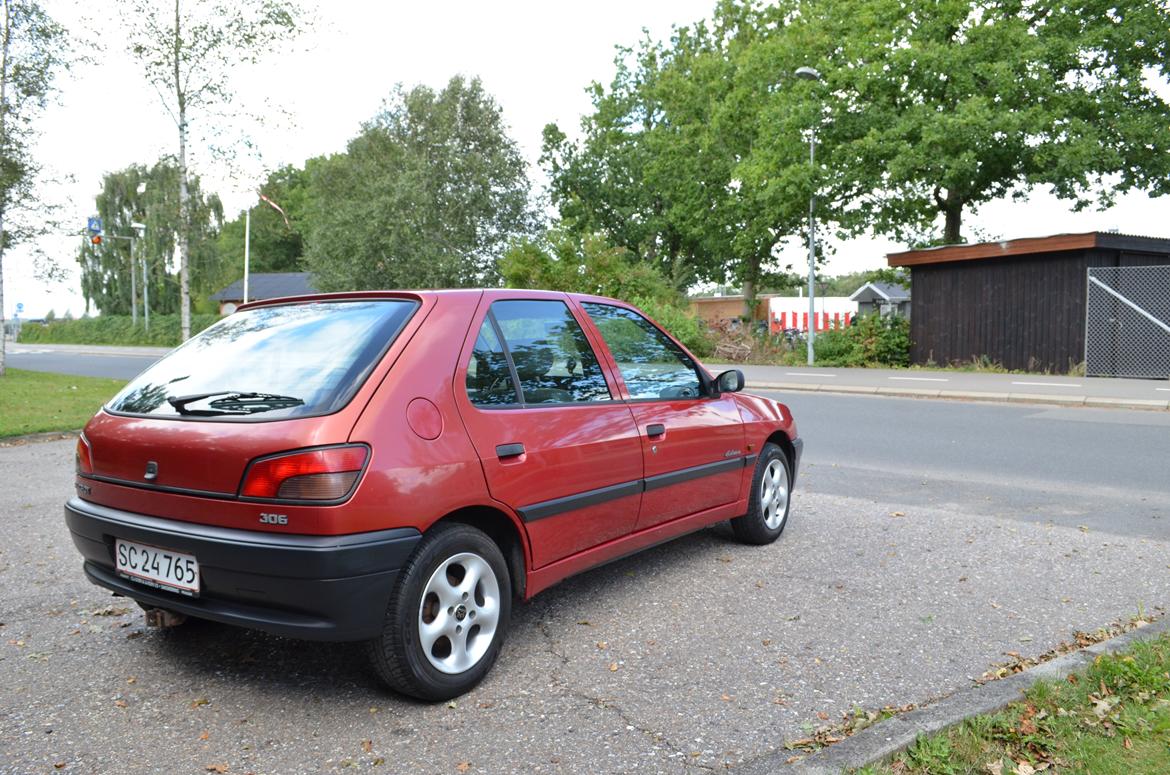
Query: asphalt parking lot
(699, 654)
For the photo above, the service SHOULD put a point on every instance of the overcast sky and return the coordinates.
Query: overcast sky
(536, 57)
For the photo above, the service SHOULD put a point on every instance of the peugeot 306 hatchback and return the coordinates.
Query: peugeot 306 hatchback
(398, 467)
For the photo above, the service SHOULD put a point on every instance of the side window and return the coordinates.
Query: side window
(553, 360)
(651, 365)
(489, 380)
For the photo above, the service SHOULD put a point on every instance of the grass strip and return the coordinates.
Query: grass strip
(1111, 719)
(38, 402)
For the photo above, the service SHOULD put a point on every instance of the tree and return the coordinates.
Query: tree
(149, 196)
(189, 57)
(428, 195)
(681, 162)
(934, 109)
(33, 50)
(277, 243)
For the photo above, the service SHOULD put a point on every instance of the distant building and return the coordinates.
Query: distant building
(272, 285)
(886, 298)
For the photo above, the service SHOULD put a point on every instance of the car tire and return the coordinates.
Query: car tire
(446, 619)
(769, 501)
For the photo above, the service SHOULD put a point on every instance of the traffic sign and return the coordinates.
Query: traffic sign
(19, 306)
(94, 224)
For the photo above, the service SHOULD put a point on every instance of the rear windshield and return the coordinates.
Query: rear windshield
(270, 363)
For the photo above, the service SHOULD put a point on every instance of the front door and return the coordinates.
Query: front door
(555, 444)
(692, 444)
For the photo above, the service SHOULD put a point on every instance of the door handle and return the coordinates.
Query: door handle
(509, 450)
(657, 429)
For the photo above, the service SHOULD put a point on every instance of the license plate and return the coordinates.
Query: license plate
(155, 567)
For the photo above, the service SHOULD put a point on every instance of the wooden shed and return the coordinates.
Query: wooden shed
(1021, 303)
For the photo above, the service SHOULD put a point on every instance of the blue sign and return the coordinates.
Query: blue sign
(94, 224)
(19, 307)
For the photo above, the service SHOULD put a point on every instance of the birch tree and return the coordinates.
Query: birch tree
(33, 51)
(189, 52)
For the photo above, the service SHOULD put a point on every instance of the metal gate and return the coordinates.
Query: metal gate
(1127, 322)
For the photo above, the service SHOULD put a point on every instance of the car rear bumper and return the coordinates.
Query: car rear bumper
(314, 587)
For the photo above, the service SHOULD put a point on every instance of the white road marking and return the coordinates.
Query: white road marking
(1047, 384)
(920, 379)
(806, 374)
(1165, 389)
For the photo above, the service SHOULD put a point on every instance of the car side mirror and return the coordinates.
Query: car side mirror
(730, 381)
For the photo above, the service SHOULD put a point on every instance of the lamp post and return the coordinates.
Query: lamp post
(810, 74)
(140, 231)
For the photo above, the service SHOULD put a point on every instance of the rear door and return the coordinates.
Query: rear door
(556, 444)
(692, 444)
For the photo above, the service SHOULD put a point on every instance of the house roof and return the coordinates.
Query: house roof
(1030, 245)
(270, 285)
(883, 291)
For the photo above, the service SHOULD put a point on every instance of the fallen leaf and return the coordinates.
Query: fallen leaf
(131, 680)
(1023, 768)
(995, 767)
(205, 735)
(585, 623)
(463, 766)
(1128, 743)
(58, 765)
(216, 768)
(767, 641)
(897, 513)
(822, 715)
(379, 761)
(199, 702)
(121, 703)
(725, 697)
(1083, 528)
(603, 645)
(613, 666)
(367, 745)
(452, 704)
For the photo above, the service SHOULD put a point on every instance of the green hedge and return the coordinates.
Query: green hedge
(113, 329)
(875, 340)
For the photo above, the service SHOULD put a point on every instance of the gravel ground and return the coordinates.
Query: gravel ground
(699, 654)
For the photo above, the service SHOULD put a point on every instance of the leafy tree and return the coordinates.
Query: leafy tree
(189, 55)
(565, 261)
(33, 50)
(277, 244)
(681, 161)
(105, 268)
(428, 195)
(934, 109)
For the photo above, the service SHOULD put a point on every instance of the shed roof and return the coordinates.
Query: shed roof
(268, 285)
(883, 291)
(1030, 245)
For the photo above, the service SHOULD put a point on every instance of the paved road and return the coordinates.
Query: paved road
(84, 361)
(913, 560)
(125, 362)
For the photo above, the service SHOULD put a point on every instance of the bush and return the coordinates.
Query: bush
(875, 340)
(114, 330)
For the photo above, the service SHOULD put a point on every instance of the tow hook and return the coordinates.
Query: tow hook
(161, 617)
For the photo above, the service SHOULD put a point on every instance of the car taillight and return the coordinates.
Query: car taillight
(84, 456)
(311, 475)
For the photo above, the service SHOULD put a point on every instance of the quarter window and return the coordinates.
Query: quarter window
(489, 380)
(651, 364)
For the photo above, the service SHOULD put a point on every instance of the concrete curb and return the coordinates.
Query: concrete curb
(96, 349)
(969, 395)
(898, 733)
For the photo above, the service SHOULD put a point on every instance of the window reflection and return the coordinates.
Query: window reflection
(651, 365)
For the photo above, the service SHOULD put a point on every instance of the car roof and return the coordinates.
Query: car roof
(424, 294)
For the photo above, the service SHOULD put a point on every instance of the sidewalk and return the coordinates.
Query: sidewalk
(961, 385)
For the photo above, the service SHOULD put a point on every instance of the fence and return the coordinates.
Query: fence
(1127, 322)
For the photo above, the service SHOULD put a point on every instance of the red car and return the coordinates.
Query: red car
(396, 467)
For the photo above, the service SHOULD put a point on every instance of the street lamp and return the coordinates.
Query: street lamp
(810, 74)
(140, 231)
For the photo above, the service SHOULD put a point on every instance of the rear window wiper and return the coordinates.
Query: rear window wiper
(233, 402)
